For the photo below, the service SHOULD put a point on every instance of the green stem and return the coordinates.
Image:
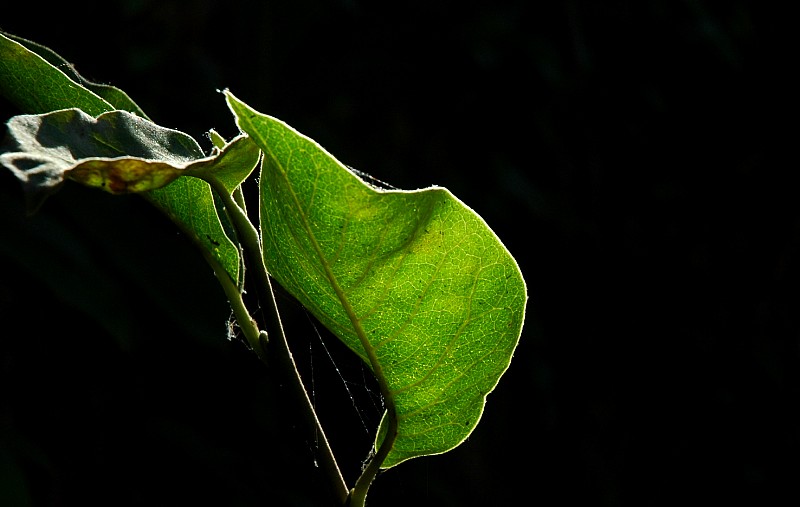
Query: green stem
(251, 243)
(358, 495)
(234, 295)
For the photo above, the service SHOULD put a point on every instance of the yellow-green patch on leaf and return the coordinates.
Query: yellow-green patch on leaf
(123, 176)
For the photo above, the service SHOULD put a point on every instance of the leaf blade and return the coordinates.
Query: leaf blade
(113, 95)
(414, 279)
(36, 86)
(32, 78)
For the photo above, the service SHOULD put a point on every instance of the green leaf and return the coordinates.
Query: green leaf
(37, 86)
(414, 282)
(38, 80)
(114, 96)
(233, 166)
(216, 138)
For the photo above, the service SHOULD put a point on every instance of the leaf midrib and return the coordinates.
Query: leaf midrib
(318, 251)
(343, 299)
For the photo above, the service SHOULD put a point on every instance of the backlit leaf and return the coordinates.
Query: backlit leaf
(37, 86)
(39, 81)
(29, 56)
(414, 279)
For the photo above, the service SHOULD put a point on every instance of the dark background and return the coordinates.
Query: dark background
(629, 155)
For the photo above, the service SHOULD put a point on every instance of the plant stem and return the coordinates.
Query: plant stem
(234, 295)
(251, 243)
(358, 495)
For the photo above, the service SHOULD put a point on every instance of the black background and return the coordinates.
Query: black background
(629, 154)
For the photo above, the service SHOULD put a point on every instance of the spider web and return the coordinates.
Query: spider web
(358, 386)
(342, 389)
